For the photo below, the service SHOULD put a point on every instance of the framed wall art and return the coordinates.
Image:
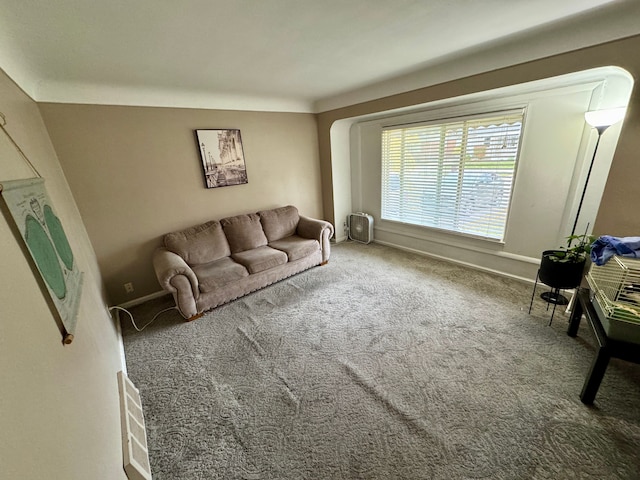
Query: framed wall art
(222, 157)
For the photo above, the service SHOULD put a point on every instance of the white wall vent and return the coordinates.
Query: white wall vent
(134, 436)
(360, 227)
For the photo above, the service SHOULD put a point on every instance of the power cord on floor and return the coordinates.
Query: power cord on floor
(146, 324)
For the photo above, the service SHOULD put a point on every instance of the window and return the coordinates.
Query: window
(454, 175)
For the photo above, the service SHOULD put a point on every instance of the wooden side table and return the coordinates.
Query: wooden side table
(606, 348)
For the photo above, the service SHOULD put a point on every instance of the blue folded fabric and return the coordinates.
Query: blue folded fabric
(607, 246)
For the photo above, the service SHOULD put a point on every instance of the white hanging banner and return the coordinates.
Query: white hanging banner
(42, 232)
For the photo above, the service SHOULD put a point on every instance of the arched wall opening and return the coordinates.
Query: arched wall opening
(556, 151)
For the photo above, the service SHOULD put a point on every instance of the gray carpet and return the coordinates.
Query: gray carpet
(380, 365)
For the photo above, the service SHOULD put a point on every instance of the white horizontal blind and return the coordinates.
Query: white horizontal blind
(456, 175)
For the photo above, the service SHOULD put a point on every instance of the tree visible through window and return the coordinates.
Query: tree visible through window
(455, 175)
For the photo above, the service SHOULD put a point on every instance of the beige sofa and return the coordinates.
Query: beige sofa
(211, 264)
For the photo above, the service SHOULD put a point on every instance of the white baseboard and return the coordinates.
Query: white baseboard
(115, 315)
(342, 238)
(459, 262)
(146, 298)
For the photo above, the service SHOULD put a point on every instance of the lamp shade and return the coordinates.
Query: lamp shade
(604, 118)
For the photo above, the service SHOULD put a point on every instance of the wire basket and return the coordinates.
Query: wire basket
(615, 288)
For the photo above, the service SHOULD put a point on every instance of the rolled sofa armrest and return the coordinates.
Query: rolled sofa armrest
(318, 230)
(168, 265)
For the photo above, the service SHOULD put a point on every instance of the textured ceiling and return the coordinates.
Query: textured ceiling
(298, 50)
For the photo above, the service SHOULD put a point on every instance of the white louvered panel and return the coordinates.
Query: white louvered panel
(134, 438)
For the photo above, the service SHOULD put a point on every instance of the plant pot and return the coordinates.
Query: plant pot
(561, 275)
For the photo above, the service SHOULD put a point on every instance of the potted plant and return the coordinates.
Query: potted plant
(563, 268)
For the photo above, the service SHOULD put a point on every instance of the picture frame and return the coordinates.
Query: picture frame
(222, 157)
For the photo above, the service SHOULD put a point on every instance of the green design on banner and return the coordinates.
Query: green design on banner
(49, 248)
(58, 237)
(45, 256)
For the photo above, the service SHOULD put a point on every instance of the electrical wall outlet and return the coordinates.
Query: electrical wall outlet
(128, 287)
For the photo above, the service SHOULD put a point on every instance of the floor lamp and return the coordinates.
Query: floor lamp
(600, 120)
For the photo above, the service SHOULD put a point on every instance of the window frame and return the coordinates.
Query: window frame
(448, 119)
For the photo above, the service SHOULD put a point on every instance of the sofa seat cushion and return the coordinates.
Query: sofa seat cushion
(216, 274)
(260, 259)
(296, 247)
(279, 222)
(244, 232)
(200, 244)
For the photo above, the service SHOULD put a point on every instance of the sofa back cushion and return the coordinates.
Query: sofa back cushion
(200, 244)
(279, 222)
(244, 232)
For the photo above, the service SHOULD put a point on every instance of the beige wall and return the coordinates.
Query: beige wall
(135, 173)
(59, 412)
(614, 216)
